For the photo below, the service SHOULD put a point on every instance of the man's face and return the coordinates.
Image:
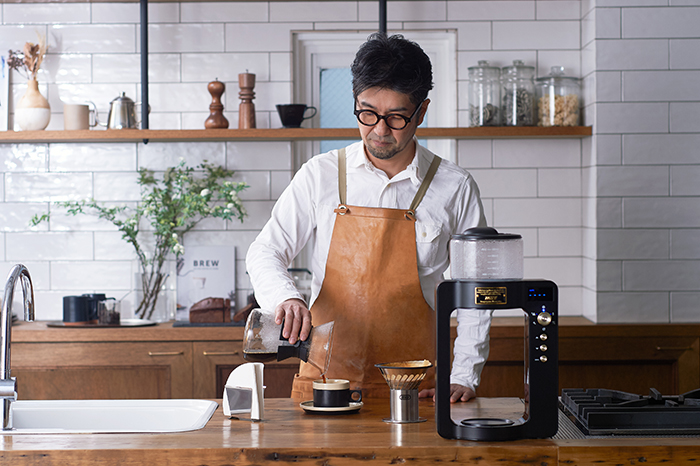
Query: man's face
(381, 141)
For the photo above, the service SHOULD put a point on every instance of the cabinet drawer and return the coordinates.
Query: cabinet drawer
(112, 370)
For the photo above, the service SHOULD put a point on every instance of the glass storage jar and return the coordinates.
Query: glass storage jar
(484, 95)
(558, 99)
(518, 87)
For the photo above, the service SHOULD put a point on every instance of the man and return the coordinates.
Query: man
(379, 214)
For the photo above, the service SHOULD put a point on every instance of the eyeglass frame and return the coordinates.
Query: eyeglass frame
(384, 117)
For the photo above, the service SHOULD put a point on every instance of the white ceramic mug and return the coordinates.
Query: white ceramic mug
(77, 116)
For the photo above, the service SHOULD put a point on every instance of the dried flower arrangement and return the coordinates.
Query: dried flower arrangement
(28, 60)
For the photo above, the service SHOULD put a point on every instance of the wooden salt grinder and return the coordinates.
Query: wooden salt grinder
(246, 111)
(216, 117)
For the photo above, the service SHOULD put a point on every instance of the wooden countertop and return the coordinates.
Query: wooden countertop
(289, 435)
(502, 327)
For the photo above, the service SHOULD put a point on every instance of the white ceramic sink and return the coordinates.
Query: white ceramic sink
(109, 416)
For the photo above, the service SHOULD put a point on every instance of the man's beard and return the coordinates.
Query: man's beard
(382, 154)
(385, 153)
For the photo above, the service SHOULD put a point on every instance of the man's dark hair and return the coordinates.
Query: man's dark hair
(395, 63)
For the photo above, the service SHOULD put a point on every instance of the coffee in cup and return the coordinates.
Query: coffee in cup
(291, 115)
(334, 393)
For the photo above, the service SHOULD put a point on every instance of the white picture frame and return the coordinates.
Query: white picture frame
(205, 272)
(4, 93)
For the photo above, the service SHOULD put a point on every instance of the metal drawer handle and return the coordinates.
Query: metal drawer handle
(165, 353)
(673, 348)
(220, 353)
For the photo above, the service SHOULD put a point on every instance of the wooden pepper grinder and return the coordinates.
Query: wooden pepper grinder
(246, 111)
(216, 117)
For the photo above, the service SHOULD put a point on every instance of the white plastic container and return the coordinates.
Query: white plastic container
(486, 254)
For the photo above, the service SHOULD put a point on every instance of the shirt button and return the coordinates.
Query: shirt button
(424, 234)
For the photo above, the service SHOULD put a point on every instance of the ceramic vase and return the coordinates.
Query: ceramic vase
(32, 112)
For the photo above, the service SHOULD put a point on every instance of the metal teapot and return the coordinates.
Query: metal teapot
(122, 113)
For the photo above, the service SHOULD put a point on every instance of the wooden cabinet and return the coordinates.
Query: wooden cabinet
(195, 362)
(631, 358)
(137, 363)
(109, 370)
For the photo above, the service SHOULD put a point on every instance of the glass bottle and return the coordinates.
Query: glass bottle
(518, 104)
(484, 95)
(559, 99)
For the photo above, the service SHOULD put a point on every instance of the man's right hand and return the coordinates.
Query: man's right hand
(297, 319)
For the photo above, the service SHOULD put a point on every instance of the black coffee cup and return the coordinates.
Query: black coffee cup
(92, 300)
(334, 393)
(292, 115)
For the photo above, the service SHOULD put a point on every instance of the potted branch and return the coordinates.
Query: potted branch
(170, 207)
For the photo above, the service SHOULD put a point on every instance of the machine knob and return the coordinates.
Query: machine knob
(543, 337)
(544, 318)
(543, 347)
(543, 358)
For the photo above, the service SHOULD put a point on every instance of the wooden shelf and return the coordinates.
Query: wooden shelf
(281, 134)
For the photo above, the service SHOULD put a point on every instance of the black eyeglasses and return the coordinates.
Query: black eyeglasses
(393, 120)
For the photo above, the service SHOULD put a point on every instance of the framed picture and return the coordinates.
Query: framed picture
(4, 93)
(205, 272)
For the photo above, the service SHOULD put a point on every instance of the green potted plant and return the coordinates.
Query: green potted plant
(170, 207)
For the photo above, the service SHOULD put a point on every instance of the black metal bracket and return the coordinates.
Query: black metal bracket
(144, 66)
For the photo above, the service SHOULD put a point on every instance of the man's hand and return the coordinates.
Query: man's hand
(457, 393)
(297, 319)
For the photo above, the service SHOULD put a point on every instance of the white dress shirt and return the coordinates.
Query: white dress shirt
(305, 214)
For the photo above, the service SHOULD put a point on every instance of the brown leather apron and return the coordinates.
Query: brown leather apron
(372, 291)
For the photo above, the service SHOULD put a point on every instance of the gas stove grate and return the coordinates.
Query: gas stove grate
(613, 412)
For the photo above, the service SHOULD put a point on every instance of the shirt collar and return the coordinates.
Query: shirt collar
(415, 170)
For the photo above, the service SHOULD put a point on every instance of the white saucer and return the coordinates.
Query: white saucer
(309, 407)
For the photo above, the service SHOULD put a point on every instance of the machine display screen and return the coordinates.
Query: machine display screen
(540, 294)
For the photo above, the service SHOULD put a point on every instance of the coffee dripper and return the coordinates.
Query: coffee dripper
(263, 342)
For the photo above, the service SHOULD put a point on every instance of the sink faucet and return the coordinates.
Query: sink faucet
(8, 385)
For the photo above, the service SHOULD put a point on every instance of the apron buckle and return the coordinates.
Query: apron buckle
(410, 215)
(342, 210)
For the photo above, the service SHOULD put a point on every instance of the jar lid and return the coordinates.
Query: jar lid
(518, 65)
(479, 233)
(557, 75)
(484, 68)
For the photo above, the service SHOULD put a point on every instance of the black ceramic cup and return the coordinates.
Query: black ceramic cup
(291, 115)
(75, 309)
(334, 393)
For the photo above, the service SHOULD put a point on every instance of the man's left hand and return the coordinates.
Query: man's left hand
(457, 393)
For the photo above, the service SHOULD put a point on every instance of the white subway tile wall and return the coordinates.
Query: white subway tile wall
(613, 219)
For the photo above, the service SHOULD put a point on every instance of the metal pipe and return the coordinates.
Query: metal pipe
(382, 16)
(144, 65)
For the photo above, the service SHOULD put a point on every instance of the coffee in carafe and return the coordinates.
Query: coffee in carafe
(263, 342)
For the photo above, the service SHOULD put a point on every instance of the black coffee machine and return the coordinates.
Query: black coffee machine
(538, 299)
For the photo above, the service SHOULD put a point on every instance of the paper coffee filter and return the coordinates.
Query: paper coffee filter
(405, 375)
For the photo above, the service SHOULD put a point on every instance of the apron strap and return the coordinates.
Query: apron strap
(422, 189)
(342, 177)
